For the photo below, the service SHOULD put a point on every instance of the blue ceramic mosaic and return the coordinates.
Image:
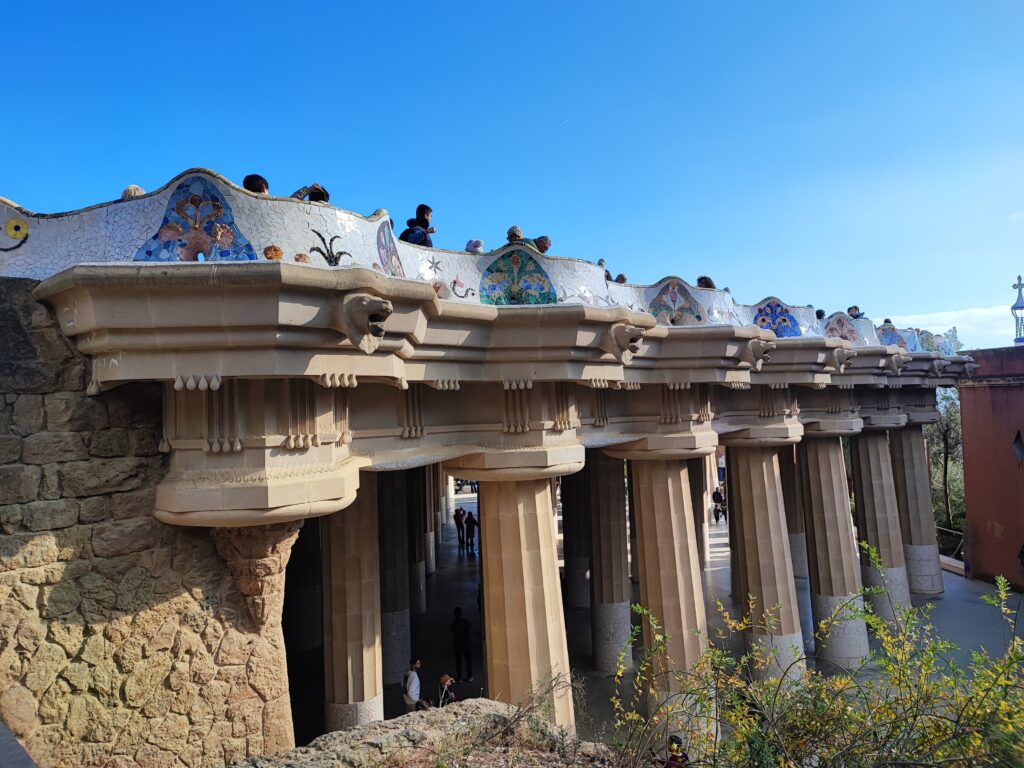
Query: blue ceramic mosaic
(197, 226)
(773, 315)
(516, 278)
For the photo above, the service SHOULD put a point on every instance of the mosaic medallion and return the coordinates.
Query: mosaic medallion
(840, 326)
(387, 251)
(516, 278)
(675, 305)
(197, 226)
(772, 315)
(889, 336)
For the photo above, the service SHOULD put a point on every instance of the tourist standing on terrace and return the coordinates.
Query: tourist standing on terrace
(418, 230)
(471, 525)
(460, 526)
(705, 282)
(256, 184)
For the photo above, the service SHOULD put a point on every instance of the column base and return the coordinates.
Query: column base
(787, 655)
(897, 595)
(429, 552)
(924, 570)
(396, 645)
(577, 581)
(341, 717)
(417, 588)
(846, 645)
(610, 624)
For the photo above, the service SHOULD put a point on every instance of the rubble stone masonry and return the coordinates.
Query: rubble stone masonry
(123, 641)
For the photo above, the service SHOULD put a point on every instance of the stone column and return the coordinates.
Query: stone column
(523, 620)
(634, 552)
(794, 510)
(766, 567)
(831, 552)
(698, 497)
(878, 521)
(609, 576)
(352, 635)
(914, 500)
(670, 583)
(430, 505)
(394, 575)
(576, 507)
(737, 583)
(416, 510)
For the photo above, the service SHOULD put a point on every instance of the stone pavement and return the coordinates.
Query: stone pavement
(959, 614)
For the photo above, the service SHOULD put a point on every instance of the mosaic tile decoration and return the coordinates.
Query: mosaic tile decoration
(890, 336)
(773, 315)
(515, 277)
(197, 226)
(200, 212)
(673, 304)
(840, 326)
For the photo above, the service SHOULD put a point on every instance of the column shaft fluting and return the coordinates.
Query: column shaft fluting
(609, 574)
(523, 620)
(878, 521)
(392, 501)
(352, 634)
(834, 568)
(576, 506)
(416, 512)
(698, 503)
(917, 519)
(765, 561)
(670, 579)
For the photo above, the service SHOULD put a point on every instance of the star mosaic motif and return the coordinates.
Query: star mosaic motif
(435, 265)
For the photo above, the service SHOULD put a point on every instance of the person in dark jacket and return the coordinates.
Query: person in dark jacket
(461, 645)
(471, 524)
(418, 230)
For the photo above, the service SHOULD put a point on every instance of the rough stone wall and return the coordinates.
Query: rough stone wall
(123, 642)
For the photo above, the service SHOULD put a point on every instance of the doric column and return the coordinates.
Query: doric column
(698, 502)
(392, 501)
(430, 539)
(878, 521)
(914, 499)
(634, 552)
(794, 510)
(416, 512)
(609, 576)
(352, 633)
(576, 506)
(831, 552)
(766, 568)
(670, 583)
(523, 620)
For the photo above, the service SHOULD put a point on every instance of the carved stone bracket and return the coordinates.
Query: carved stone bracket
(257, 557)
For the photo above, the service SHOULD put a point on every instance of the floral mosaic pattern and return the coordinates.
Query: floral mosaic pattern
(675, 305)
(772, 315)
(197, 226)
(889, 336)
(840, 326)
(515, 277)
(387, 251)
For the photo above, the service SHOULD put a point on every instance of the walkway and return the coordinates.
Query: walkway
(959, 613)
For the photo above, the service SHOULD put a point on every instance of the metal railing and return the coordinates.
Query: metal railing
(957, 536)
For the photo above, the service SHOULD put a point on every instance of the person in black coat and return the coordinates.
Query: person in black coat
(418, 230)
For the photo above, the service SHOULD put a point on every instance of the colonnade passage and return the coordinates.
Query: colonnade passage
(627, 516)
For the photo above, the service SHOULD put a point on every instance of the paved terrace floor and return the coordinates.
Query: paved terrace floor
(959, 614)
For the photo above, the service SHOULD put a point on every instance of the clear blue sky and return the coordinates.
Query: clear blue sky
(829, 153)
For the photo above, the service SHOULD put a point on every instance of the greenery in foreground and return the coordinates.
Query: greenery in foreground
(911, 705)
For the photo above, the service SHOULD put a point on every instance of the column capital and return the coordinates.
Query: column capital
(666, 447)
(529, 464)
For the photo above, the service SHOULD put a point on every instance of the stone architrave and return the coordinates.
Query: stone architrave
(878, 522)
(834, 570)
(396, 639)
(416, 509)
(352, 631)
(670, 579)
(766, 568)
(917, 519)
(523, 620)
(609, 577)
(576, 516)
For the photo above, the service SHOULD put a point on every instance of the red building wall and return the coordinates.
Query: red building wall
(992, 413)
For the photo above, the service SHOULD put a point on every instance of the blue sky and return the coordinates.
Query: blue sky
(827, 153)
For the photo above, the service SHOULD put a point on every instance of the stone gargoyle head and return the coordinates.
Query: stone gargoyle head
(361, 317)
(622, 341)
